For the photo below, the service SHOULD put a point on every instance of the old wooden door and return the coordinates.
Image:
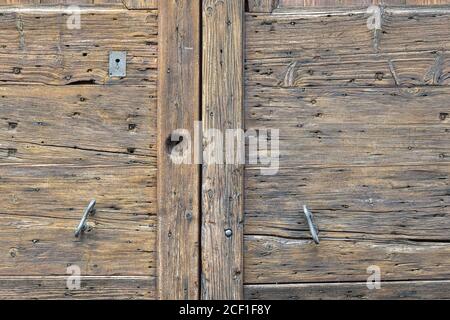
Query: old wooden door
(70, 132)
(358, 97)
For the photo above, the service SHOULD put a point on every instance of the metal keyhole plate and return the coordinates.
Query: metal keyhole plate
(117, 63)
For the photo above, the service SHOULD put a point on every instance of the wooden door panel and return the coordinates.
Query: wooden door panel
(69, 133)
(363, 120)
(92, 288)
(46, 51)
(360, 3)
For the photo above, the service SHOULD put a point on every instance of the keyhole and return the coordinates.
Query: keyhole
(117, 63)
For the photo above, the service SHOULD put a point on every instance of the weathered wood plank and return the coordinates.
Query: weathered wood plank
(18, 2)
(317, 291)
(66, 2)
(39, 216)
(142, 4)
(178, 184)
(338, 3)
(38, 47)
(426, 2)
(338, 126)
(280, 260)
(303, 51)
(91, 288)
(365, 70)
(385, 203)
(92, 118)
(371, 163)
(222, 185)
(405, 31)
(109, 2)
(261, 5)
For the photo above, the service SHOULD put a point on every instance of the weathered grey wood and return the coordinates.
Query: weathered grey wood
(338, 3)
(178, 184)
(96, 142)
(17, 2)
(341, 127)
(222, 185)
(61, 146)
(358, 70)
(32, 245)
(371, 163)
(141, 4)
(383, 203)
(261, 5)
(63, 2)
(46, 51)
(92, 288)
(283, 260)
(316, 291)
(92, 118)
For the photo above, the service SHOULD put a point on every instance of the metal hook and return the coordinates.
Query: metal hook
(87, 212)
(311, 224)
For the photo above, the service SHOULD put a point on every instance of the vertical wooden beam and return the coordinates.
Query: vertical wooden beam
(222, 185)
(266, 6)
(178, 185)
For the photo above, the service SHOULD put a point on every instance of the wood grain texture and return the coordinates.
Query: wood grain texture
(178, 184)
(354, 291)
(261, 5)
(91, 118)
(142, 4)
(271, 259)
(92, 288)
(343, 3)
(39, 48)
(67, 2)
(150, 4)
(363, 122)
(222, 185)
(96, 142)
(18, 2)
(68, 134)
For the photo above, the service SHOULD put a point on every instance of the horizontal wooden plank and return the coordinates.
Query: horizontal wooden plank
(96, 141)
(351, 70)
(91, 288)
(76, 119)
(65, 2)
(302, 36)
(39, 216)
(280, 260)
(39, 47)
(18, 2)
(327, 291)
(385, 203)
(339, 126)
(261, 5)
(338, 3)
(141, 4)
(301, 50)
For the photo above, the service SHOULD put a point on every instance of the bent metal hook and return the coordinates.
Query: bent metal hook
(87, 212)
(311, 224)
